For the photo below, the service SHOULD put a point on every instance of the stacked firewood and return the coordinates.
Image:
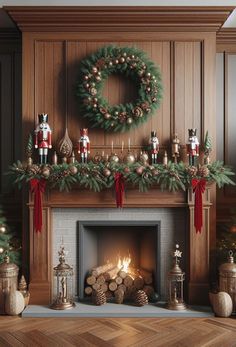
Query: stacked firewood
(118, 284)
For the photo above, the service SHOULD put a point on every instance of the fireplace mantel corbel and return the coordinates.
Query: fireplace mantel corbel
(41, 243)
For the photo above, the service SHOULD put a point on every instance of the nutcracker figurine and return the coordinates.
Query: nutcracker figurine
(192, 146)
(43, 138)
(84, 145)
(175, 148)
(154, 146)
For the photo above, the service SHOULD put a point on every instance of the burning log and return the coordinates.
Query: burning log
(119, 296)
(90, 280)
(112, 286)
(96, 271)
(122, 287)
(104, 287)
(129, 294)
(128, 281)
(139, 282)
(88, 290)
(111, 274)
(147, 276)
(122, 274)
(96, 286)
(118, 280)
(101, 279)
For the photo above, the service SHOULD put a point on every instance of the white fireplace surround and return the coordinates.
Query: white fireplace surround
(173, 226)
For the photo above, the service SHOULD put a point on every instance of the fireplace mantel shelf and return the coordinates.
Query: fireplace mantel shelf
(133, 198)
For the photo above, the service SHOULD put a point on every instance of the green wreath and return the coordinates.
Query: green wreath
(131, 62)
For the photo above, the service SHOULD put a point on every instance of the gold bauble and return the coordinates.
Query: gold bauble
(114, 158)
(94, 69)
(139, 170)
(144, 158)
(233, 229)
(73, 169)
(93, 91)
(130, 158)
(3, 229)
(106, 172)
(107, 116)
(129, 120)
(1, 250)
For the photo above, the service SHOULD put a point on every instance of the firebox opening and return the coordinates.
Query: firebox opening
(101, 242)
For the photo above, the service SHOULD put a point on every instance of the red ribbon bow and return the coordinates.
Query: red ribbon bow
(37, 186)
(199, 186)
(119, 187)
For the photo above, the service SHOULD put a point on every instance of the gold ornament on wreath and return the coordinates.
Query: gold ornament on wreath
(128, 61)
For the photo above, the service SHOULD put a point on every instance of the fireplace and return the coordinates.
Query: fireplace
(93, 237)
(62, 213)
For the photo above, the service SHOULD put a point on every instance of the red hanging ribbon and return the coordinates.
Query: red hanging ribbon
(199, 186)
(37, 186)
(120, 187)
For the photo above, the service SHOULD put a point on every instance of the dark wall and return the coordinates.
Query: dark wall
(10, 120)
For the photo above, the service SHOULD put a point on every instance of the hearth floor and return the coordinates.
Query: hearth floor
(114, 310)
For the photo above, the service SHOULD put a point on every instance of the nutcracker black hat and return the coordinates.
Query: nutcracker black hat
(43, 118)
(192, 132)
(153, 133)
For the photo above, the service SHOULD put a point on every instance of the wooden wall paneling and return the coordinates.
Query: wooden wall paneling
(226, 51)
(161, 54)
(57, 101)
(220, 136)
(194, 46)
(187, 81)
(76, 51)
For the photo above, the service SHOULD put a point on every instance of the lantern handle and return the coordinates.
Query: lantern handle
(231, 256)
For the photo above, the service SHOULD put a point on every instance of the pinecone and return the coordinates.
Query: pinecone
(33, 169)
(119, 296)
(191, 170)
(140, 298)
(203, 171)
(99, 297)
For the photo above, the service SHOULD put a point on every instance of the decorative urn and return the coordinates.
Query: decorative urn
(8, 280)
(227, 273)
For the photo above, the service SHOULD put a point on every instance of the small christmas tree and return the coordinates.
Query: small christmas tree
(8, 242)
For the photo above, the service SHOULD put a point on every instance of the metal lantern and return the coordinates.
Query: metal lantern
(227, 272)
(175, 284)
(8, 280)
(63, 285)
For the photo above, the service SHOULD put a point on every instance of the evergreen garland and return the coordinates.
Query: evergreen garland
(128, 61)
(9, 244)
(98, 176)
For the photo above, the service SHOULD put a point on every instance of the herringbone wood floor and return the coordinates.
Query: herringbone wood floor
(120, 332)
